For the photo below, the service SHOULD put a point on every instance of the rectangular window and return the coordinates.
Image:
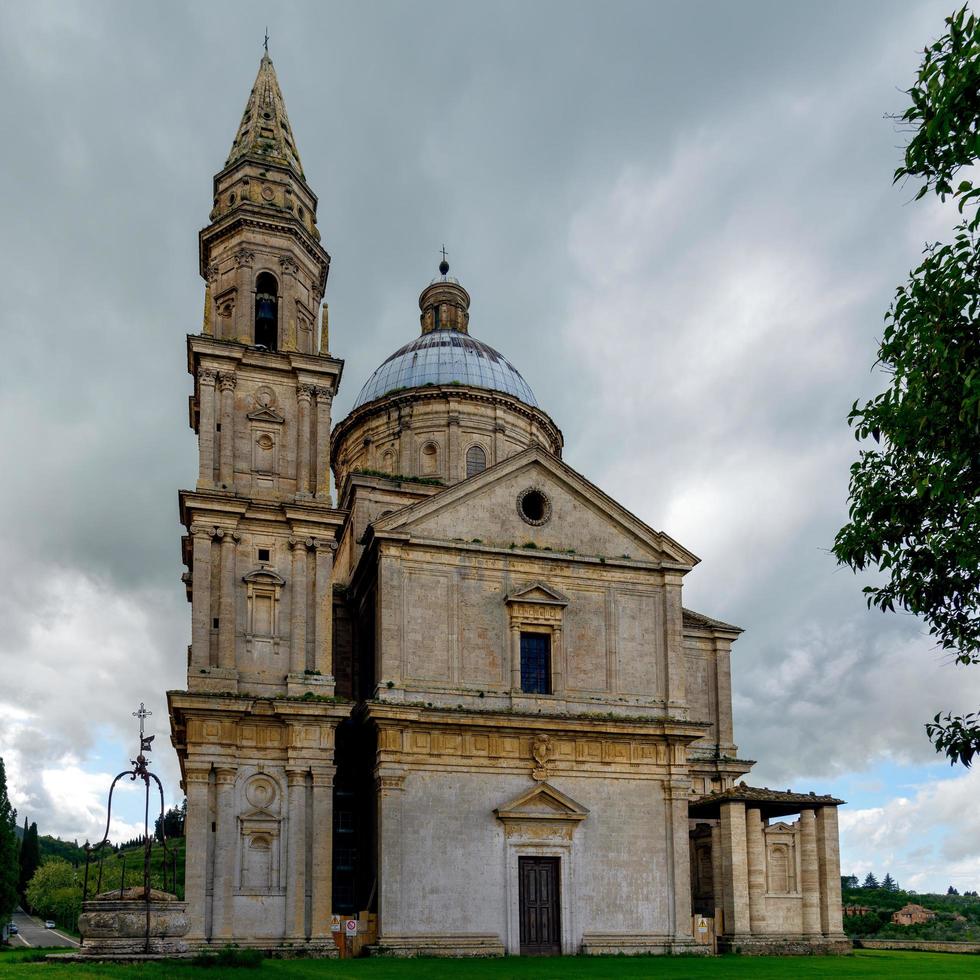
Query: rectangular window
(536, 663)
(263, 554)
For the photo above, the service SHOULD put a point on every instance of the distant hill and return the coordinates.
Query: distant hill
(957, 916)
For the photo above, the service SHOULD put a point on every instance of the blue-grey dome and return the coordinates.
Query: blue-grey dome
(443, 357)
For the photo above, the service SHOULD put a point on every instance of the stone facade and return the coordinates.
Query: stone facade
(468, 698)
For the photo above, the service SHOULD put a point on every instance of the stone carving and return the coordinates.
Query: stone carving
(288, 266)
(541, 753)
(207, 376)
(227, 381)
(243, 258)
(211, 272)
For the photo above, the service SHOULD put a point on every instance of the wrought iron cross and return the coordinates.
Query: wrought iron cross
(266, 42)
(142, 714)
(443, 253)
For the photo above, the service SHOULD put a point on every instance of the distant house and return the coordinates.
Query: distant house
(858, 910)
(912, 915)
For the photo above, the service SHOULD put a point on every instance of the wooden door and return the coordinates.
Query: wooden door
(540, 908)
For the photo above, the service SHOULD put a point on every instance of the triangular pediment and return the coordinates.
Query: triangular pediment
(542, 802)
(538, 592)
(579, 518)
(266, 415)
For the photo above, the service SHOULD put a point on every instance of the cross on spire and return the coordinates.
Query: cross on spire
(265, 43)
(443, 253)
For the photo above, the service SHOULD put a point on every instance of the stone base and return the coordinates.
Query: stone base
(638, 944)
(785, 945)
(213, 680)
(117, 926)
(299, 684)
(465, 944)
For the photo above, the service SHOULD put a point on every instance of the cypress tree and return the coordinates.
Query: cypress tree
(30, 853)
(8, 851)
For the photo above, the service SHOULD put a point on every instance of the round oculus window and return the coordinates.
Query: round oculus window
(534, 506)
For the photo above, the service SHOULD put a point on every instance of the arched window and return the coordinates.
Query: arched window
(388, 461)
(267, 311)
(430, 459)
(476, 460)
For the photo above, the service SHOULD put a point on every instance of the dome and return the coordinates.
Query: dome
(443, 357)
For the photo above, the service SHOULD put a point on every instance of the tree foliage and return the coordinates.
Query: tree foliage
(55, 892)
(870, 881)
(8, 850)
(914, 509)
(30, 860)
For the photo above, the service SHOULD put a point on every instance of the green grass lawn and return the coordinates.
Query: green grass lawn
(864, 963)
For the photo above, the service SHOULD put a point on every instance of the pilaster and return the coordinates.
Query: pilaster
(227, 381)
(206, 380)
(322, 884)
(226, 615)
(297, 605)
(304, 400)
(223, 926)
(296, 855)
(196, 841)
(201, 615)
(324, 398)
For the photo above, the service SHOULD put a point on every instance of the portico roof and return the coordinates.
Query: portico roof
(772, 802)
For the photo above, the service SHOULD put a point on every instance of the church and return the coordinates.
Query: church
(464, 696)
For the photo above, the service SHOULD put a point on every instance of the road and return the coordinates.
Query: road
(31, 932)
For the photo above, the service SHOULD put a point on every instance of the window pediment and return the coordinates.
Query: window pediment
(542, 803)
(537, 593)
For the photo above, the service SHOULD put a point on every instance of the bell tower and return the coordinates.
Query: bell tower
(260, 524)
(255, 728)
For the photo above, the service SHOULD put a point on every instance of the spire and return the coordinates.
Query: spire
(264, 132)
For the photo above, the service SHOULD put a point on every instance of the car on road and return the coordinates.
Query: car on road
(50, 924)
(12, 929)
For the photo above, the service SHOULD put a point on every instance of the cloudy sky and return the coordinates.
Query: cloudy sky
(676, 218)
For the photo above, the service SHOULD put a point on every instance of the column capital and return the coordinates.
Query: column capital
(301, 544)
(323, 776)
(323, 544)
(226, 536)
(225, 775)
(322, 393)
(211, 272)
(207, 376)
(203, 531)
(295, 775)
(305, 392)
(197, 774)
(227, 380)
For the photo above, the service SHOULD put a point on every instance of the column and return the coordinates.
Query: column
(809, 873)
(297, 608)
(679, 841)
(717, 889)
(226, 464)
(756, 847)
(734, 874)
(206, 378)
(322, 462)
(226, 604)
(196, 830)
(515, 658)
(296, 855)
(201, 596)
(223, 914)
(323, 611)
(304, 398)
(391, 784)
(828, 859)
(322, 891)
(407, 465)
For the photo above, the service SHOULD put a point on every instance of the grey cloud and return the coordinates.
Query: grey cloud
(506, 132)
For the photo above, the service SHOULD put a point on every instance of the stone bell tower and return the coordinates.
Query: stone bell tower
(254, 730)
